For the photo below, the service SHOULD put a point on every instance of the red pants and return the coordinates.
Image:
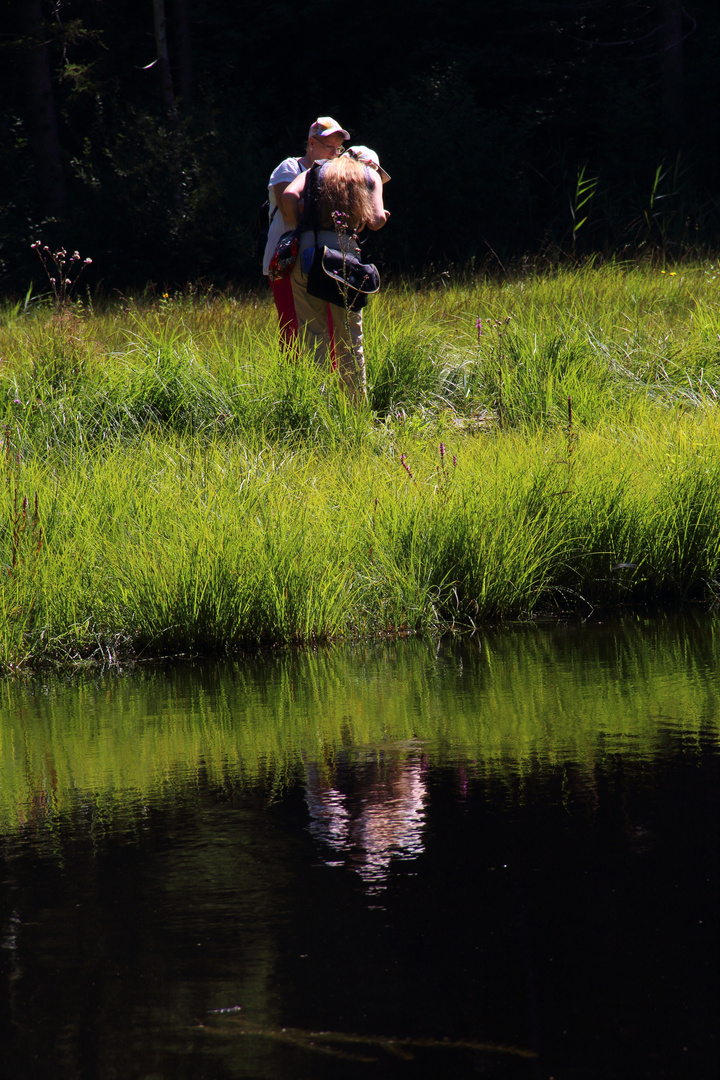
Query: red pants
(283, 297)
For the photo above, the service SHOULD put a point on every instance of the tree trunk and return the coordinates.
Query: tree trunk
(181, 36)
(167, 93)
(40, 109)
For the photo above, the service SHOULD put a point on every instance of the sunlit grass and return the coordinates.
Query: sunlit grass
(173, 483)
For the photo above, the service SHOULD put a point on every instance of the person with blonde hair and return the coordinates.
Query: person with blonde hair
(334, 202)
(325, 139)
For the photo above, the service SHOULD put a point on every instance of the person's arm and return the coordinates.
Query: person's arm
(278, 190)
(379, 213)
(292, 201)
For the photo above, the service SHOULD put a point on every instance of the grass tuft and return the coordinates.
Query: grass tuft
(171, 482)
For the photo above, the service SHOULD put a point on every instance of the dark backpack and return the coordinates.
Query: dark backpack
(262, 228)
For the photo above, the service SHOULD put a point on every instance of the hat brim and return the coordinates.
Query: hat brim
(331, 131)
(369, 157)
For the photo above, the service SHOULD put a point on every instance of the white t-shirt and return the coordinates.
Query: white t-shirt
(285, 173)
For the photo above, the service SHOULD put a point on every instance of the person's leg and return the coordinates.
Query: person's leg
(285, 304)
(311, 316)
(349, 352)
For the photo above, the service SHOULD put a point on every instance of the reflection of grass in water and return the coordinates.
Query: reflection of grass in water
(503, 705)
(335, 1043)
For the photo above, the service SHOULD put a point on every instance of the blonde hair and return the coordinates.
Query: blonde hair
(344, 189)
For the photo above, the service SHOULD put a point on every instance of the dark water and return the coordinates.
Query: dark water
(497, 857)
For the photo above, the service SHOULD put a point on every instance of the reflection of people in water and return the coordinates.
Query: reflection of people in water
(370, 814)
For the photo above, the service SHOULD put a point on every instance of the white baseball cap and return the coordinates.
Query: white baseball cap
(369, 157)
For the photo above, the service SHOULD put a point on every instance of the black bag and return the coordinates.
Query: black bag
(341, 279)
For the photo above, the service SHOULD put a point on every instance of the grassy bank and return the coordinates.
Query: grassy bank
(171, 484)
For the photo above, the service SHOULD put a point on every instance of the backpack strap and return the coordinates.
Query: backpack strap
(308, 219)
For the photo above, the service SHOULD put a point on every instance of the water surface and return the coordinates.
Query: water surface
(490, 857)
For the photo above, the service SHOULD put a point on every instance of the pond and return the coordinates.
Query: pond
(495, 856)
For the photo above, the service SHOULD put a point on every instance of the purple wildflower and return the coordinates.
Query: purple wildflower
(406, 467)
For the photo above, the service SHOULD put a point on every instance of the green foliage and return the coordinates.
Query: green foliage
(173, 482)
(489, 126)
(408, 361)
(585, 190)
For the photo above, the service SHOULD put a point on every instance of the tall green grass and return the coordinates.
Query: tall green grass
(170, 482)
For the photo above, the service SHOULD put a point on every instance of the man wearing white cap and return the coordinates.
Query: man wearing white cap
(325, 139)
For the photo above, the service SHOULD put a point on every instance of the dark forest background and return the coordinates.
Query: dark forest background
(142, 132)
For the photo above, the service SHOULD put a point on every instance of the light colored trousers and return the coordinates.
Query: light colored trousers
(312, 316)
